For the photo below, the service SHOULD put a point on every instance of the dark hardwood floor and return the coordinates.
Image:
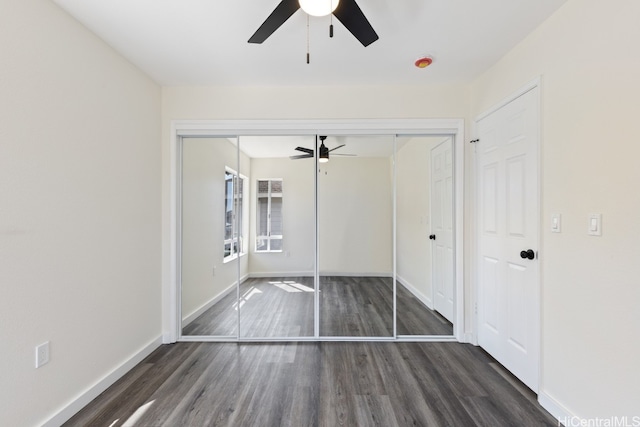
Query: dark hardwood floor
(316, 384)
(349, 306)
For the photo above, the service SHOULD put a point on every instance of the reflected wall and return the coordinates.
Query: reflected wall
(355, 233)
(208, 270)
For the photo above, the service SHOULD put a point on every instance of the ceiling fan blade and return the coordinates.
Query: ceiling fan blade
(345, 155)
(339, 146)
(351, 16)
(280, 14)
(301, 156)
(305, 150)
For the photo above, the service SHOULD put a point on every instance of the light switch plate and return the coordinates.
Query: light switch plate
(594, 227)
(555, 223)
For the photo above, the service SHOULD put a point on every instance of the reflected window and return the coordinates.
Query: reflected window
(234, 209)
(269, 211)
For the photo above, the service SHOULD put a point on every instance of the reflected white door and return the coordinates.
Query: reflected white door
(508, 218)
(442, 227)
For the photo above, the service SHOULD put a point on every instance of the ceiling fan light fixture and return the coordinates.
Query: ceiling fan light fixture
(319, 7)
(323, 152)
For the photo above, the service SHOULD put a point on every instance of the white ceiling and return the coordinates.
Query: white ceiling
(204, 42)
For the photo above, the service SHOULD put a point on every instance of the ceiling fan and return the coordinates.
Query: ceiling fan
(347, 11)
(323, 152)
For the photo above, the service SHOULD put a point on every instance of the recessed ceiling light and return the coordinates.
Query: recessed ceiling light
(423, 62)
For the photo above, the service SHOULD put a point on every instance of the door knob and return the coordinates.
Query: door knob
(432, 237)
(528, 254)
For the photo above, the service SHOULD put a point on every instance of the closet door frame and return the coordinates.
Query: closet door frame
(233, 128)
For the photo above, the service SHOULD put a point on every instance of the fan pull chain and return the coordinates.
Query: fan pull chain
(331, 24)
(308, 55)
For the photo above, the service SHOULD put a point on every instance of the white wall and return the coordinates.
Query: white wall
(588, 57)
(313, 102)
(355, 209)
(355, 216)
(298, 216)
(79, 210)
(203, 221)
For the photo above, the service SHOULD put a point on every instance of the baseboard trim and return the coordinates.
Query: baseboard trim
(419, 295)
(555, 408)
(355, 274)
(94, 391)
(268, 274)
(468, 338)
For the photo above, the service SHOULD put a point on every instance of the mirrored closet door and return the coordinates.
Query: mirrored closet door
(213, 229)
(286, 237)
(277, 291)
(425, 235)
(355, 233)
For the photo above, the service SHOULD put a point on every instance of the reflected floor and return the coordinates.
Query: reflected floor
(349, 306)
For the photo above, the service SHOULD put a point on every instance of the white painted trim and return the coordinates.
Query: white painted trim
(269, 274)
(426, 338)
(400, 338)
(415, 292)
(172, 299)
(94, 391)
(316, 244)
(357, 274)
(233, 128)
(555, 408)
(469, 338)
(394, 234)
(459, 309)
(472, 335)
(509, 98)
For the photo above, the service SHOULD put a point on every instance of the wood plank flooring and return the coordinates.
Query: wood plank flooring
(316, 384)
(349, 306)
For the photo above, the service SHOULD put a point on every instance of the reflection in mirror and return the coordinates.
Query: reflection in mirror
(277, 295)
(424, 227)
(355, 214)
(253, 225)
(248, 236)
(214, 235)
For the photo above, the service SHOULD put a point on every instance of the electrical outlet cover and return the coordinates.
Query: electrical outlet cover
(42, 354)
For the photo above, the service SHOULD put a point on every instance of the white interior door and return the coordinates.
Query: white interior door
(508, 219)
(442, 227)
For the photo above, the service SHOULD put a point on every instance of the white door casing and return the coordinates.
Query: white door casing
(442, 228)
(508, 223)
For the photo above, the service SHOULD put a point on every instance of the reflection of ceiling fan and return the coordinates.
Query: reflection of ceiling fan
(322, 150)
(347, 11)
